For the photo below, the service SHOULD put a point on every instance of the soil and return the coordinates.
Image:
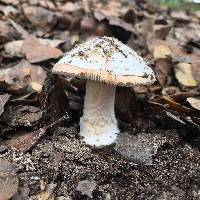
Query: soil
(61, 158)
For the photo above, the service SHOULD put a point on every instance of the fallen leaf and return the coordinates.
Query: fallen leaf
(8, 180)
(161, 51)
(196, 70)
(170, 90)
(22, 115)
(180, 15)
(19, 28)
(13, 2)
(121, 23)
(39, 17)
(13, 48)
(112, 8)
(86, 187)
(183, 73)
(162, 69)
(22, 78)
(88, 24)
(70, 7)
(24, 141)
(5, 32)
(194, 102)
(35, 51)
(168, 103)
(3, 99)
(161, 31)
(48, 193)
(187, 34)
(141, 147)
(8, 10)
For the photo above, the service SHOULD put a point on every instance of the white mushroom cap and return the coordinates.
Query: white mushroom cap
(107, 60)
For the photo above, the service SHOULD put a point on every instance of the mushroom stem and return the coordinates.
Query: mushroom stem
(98, 125)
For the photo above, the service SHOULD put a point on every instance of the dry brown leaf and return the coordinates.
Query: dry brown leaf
(162, 69)
(196, 71)
(88, 24)
(180, 15)
(35, 51)
(183, 73)
(3, 99)
(19, 28)
(194, 102)
(161, 31)
(5, 31)
(23, 77)
(112, 8)
(169, 103)
(13, 2)
(13, 48)
(38, 16)
(70, 7)
(187, 34)
(21, 115)
(8, 180)
(8, 10)
(24, 141)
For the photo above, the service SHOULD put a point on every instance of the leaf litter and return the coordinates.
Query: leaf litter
(157, 152)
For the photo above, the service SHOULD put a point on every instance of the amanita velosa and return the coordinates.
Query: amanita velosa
(105, 62)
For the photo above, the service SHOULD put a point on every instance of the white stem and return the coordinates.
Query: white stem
(98, 125)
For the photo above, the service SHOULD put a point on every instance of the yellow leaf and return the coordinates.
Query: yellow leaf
(161, 51)
(183, 73)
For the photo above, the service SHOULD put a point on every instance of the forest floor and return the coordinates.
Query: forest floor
(157, 152)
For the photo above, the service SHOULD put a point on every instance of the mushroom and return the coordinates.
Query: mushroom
(105, 62)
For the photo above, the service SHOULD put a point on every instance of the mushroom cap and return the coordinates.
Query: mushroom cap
(107, 60)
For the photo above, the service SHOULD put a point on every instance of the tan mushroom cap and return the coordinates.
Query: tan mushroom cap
(107, 60)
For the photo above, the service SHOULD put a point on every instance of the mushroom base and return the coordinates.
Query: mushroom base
(98, 125)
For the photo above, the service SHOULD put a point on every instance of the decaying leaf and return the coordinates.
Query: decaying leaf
(170, 90)
(194, 102)
(38, 16)
(23, 141)
(37, 52)
(19, 28)
(86, 187)
(183, 73)
(22, 115)
(23, 77)
(140, 148)
(48, 193)
(8, 180)
(180, 15)
(5, 32)
(162, 69)
(13, 48)
(3, 99)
